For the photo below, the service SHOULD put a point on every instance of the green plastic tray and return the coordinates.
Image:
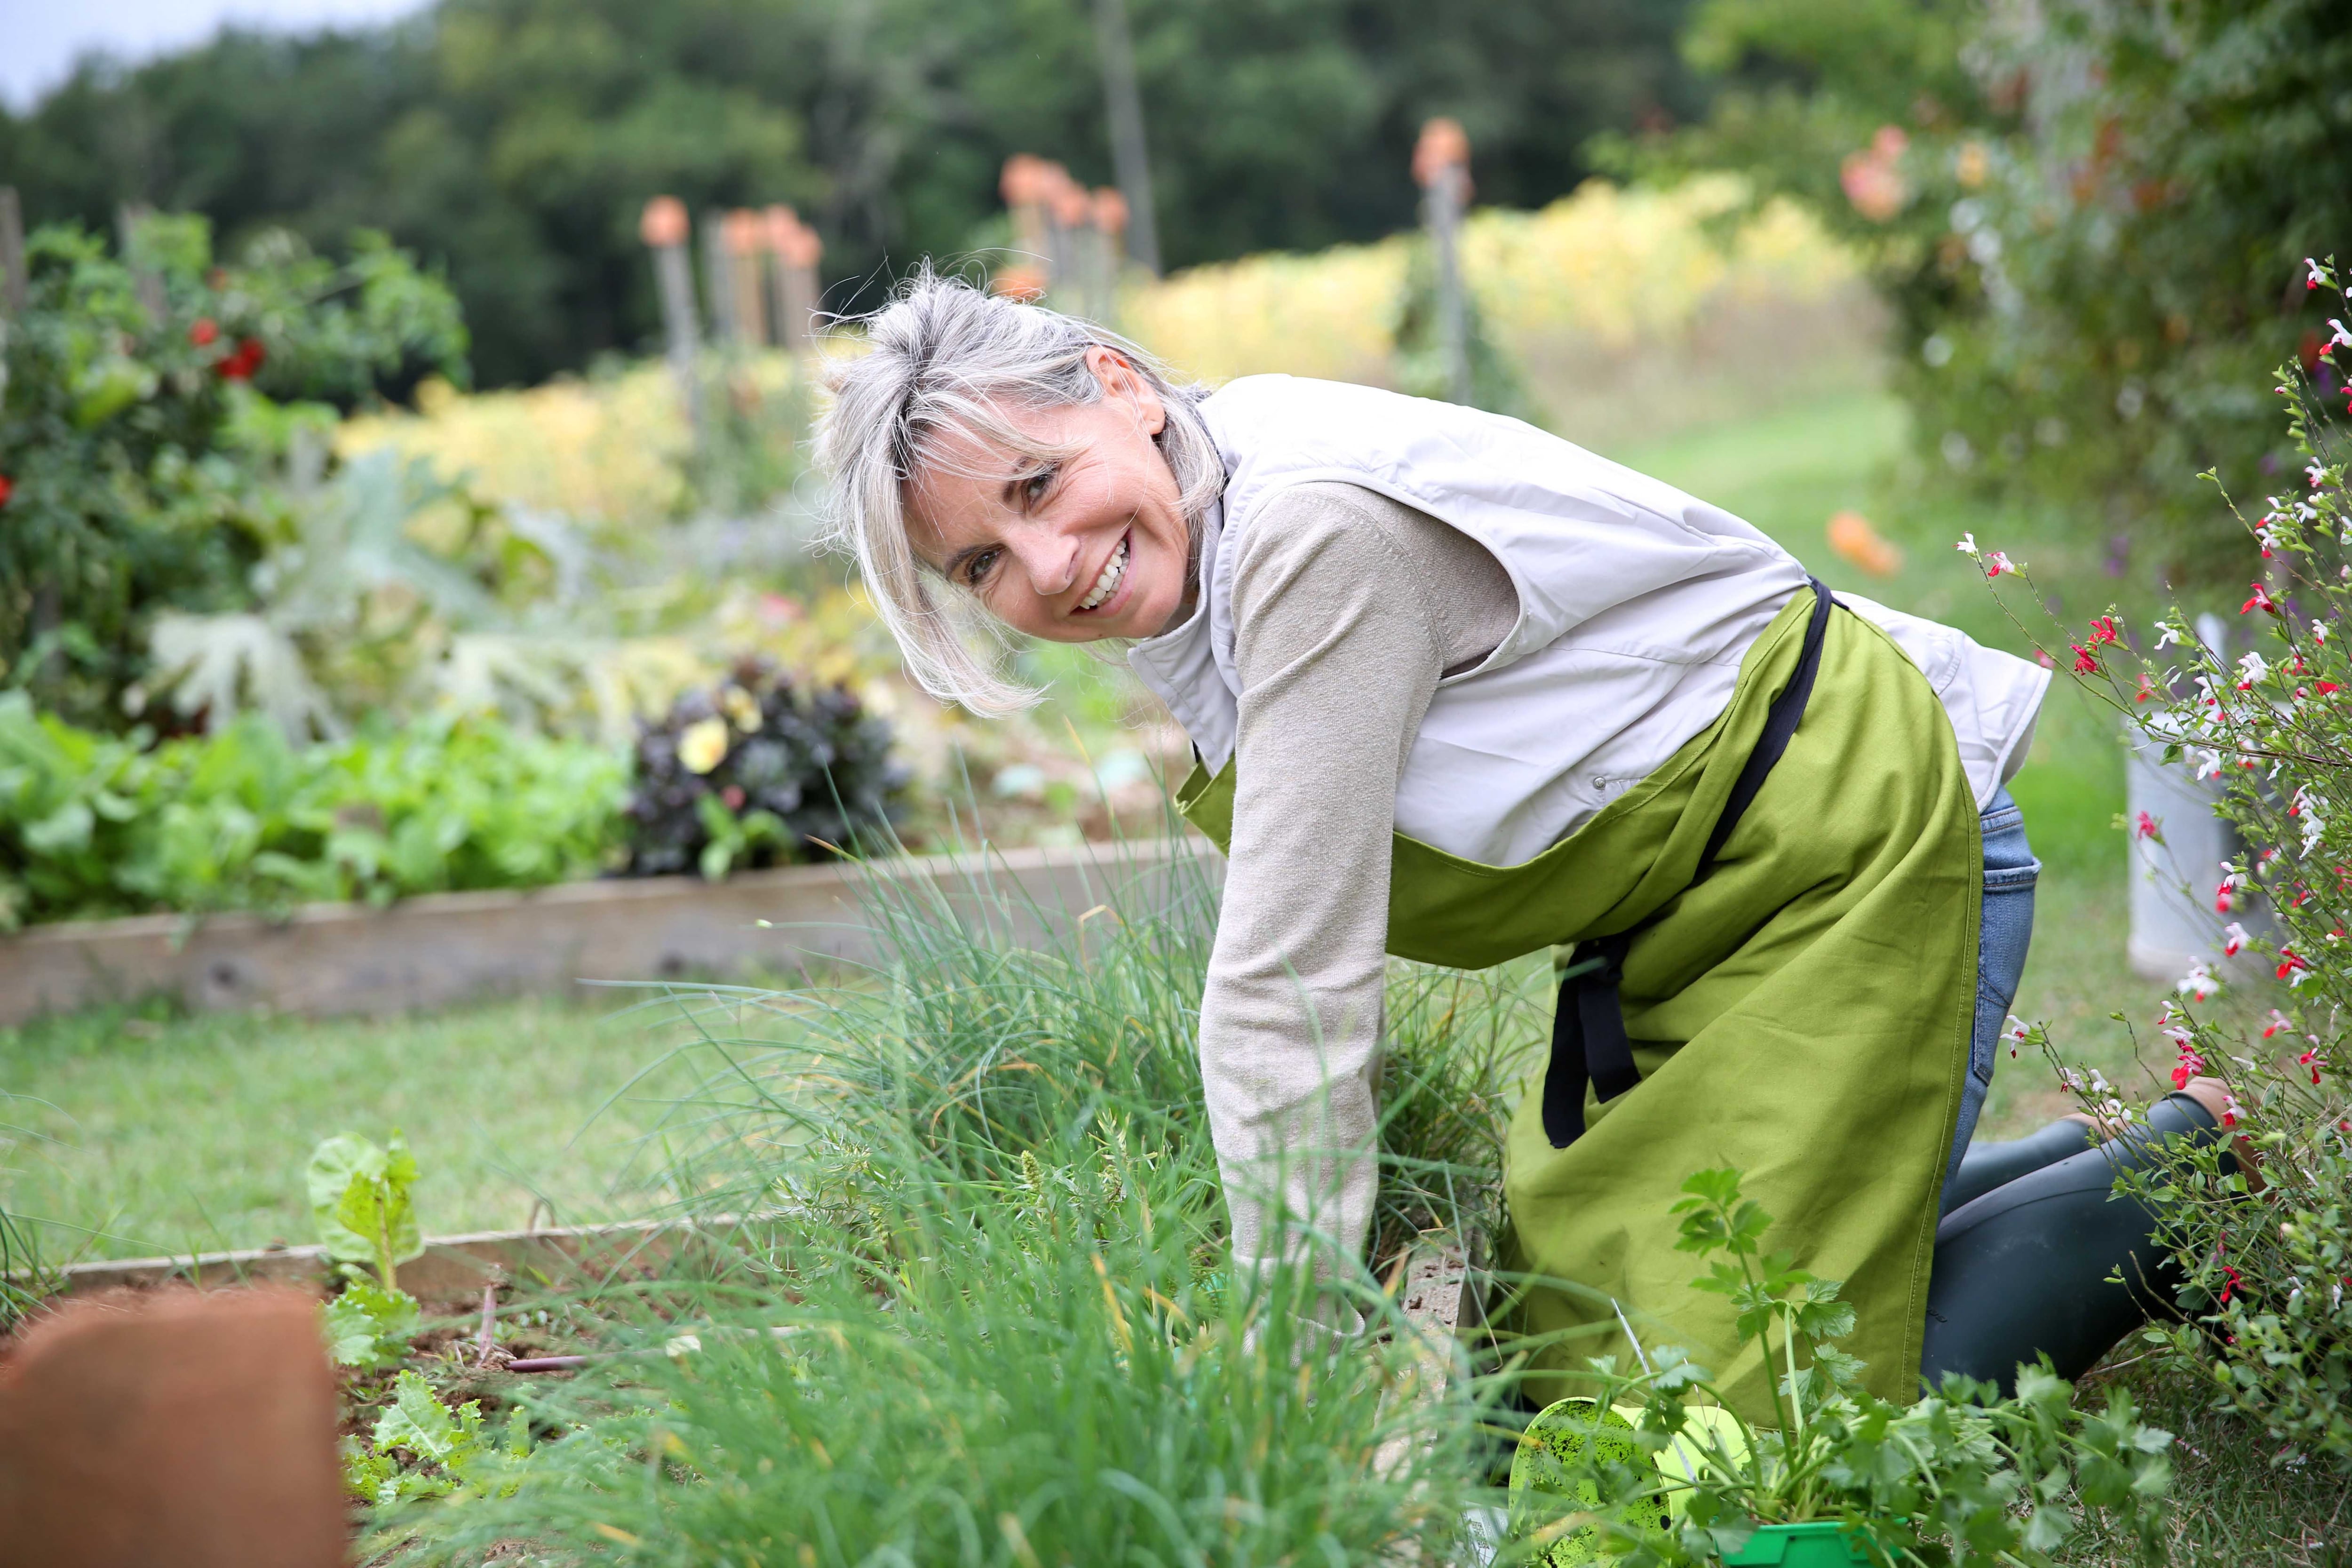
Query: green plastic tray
(1823, 1544)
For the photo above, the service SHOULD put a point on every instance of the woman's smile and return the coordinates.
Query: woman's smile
(1109, 590)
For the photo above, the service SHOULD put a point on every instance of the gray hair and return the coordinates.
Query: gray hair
(942, 363)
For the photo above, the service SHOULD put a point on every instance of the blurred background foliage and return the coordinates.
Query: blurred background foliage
(513, 142)
(253, 476)
(2090, 221)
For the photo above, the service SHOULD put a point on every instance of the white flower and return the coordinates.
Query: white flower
(1968, 545)
(2197, 985)
(702, 745)
(2234, 940)
(2169, 636)
(2319, 631)
(2342, 338)
(2253, 667)
(2314, 471)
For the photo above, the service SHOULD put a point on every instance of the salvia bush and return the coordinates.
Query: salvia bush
(2262, 1225)
(754, 772)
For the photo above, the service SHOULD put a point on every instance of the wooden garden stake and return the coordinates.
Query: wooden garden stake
(1441, 163)
(797, 251)
(1128, 154)
(719, 281)
(664, 230)
(1072, 231)
(746, 238)
(12, 253)
(1110, 219)
(1026, 183)
(145, 280)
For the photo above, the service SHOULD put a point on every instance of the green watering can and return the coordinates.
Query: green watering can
(1823, 1544)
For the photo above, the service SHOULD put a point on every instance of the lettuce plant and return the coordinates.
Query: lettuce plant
(360, 1200)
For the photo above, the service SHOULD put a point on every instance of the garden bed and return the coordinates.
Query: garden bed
(444, 948)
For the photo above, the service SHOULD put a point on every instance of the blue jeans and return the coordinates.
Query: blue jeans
(2004, 930)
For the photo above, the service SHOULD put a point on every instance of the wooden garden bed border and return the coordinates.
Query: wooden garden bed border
(443, 948)
(450, 1266)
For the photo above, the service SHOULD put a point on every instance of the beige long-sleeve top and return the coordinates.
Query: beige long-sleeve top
(1348, 608)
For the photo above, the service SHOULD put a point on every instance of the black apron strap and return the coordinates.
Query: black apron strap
(1589, 1043)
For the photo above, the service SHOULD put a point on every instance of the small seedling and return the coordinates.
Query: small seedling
(360, 1196)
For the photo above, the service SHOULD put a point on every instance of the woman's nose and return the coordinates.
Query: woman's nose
(1048, 557)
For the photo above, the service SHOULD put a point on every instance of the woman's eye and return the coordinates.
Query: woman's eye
(1039, 483)
(976, 569)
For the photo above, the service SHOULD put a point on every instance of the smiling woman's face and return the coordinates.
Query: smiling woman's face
(1069, 549)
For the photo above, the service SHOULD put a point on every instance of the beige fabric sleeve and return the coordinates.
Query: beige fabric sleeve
(1348, 608)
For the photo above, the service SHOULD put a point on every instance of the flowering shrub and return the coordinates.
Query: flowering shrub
(2263, 1225)
(2085, 217)
(140, 429)
(751, 773)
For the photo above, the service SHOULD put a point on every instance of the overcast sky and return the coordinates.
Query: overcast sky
(40, 40)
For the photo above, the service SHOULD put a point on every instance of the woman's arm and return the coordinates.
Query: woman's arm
(1348, 607)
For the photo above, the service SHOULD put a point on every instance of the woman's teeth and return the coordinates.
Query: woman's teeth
(1113, 570)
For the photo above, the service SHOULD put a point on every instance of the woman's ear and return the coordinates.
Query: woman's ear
(1120, 383)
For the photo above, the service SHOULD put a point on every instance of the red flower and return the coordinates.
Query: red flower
(204, 332)
(2325, 687)
(2260, 600)
(2146, 827)
(7, 489)
(2229, 1285)
(240, 365)
(2290, 961)
(733, 796)
(2086, 661)
(2311, 1058)
(2103, 630)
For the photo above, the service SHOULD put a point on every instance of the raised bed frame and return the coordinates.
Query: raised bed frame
(443, 948)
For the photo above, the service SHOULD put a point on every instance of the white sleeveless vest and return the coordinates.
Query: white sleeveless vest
(1636, 603)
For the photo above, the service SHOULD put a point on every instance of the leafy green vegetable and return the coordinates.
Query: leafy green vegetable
(369, 1327)
(95, 824)
(447, 1450)
(1962, 1477)
(360, 1199)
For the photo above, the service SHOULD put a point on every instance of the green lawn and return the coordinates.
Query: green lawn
(142, 1132)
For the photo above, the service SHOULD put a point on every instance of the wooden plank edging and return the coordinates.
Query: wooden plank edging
(441, 948)
(449, 1267)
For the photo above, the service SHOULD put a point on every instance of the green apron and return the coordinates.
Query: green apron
(1803, 1014)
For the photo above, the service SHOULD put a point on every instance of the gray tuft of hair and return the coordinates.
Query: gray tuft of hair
(936, 371)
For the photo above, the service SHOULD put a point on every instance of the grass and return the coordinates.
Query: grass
(138, 1131)
(982, 1310)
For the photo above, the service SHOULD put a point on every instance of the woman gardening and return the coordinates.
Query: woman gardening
(1461, 691)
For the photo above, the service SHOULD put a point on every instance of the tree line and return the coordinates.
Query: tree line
(512, 143)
